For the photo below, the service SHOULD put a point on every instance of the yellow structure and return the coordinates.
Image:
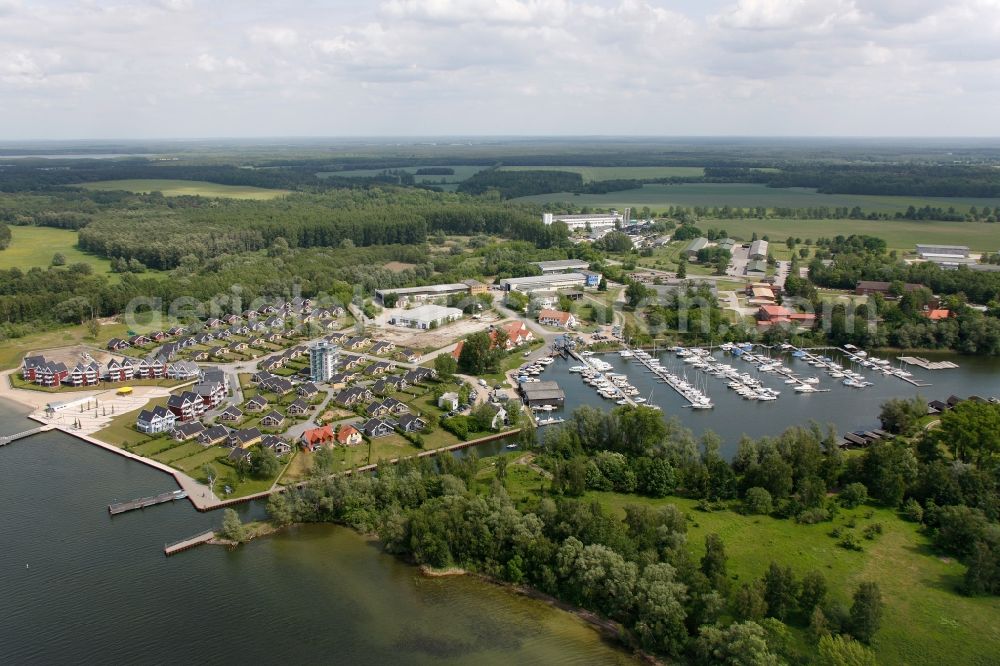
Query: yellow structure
(125, 390)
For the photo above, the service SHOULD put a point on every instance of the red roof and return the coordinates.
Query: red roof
(458, 349)
(317, 436)
(772, 312)
(345, 432)
(936, 315)
(555, 315)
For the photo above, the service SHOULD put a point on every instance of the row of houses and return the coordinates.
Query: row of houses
(39, 370)
(270, 321)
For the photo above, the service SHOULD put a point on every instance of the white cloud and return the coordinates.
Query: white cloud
(189, 67)
(273, 35)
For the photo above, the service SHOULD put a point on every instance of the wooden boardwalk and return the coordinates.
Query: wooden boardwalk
(187, 544)
(142, 502)
(7, 439)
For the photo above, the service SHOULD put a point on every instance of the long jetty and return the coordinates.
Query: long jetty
(7, 439)
(187, 544)
(141, 503)
(666, 377)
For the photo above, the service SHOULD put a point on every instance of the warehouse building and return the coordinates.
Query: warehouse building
(594, 221)
(691, 251)
(426, 317)
(943, 252)
(758, 249)
(550, 282)
(562, 266)
(420, 294)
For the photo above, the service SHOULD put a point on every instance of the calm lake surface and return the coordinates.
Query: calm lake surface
(99, 590)
(848, 409)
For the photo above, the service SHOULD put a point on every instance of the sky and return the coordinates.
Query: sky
(105, 69)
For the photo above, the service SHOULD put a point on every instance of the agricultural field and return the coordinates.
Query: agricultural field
(186, 188)
(591, 174)
(34, 246)
(898, 234)
(660, 197)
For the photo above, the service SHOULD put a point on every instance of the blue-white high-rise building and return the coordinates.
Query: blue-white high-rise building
(323, 357)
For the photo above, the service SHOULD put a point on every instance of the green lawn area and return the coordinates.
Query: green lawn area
(591, 174)
(177, 188)
(34, 246)
(121, 429)
(660, 197)
(925, 622)
(182, 450)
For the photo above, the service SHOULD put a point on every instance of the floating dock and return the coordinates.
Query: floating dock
(142, 502)
(927, 365)
(187, 544)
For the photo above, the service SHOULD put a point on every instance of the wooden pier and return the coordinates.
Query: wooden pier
(187, 544)
(927, 365)
(142, 502)
(7, 439)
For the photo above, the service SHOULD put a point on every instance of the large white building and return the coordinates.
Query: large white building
(562, 266)
(425, 317)
(594, 221)
(545, 282)
(323, 361)
(420, 294)
(943, 252)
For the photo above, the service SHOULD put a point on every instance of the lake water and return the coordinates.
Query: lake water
(78, 586)
(848, 409)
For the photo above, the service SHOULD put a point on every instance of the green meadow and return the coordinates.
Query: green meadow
(34, 246)
(926, 621)
(659, 197)
(591, 174)
(188, 188)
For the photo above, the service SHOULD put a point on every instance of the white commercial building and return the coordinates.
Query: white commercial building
(943, 253)
(432, 291)
(544, 282)
(562, 266)
(323, 358)
(594, 221)
(425, 316)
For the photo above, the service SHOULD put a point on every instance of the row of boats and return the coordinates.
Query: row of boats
(744, 384)
(529, 371)
(697, 398)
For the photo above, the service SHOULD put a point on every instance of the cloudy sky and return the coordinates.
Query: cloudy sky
(222, 68)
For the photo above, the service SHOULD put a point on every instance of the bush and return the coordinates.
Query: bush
(758, 501)
(850, 542)
(813, 516)
(872, 531)
(912, 511)
(854, 494)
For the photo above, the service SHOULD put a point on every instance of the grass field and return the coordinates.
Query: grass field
(660, 197)
(461, 173)
(925, 621)
(591, 174)
(898, 234)
(178, 188)
(34, 246)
